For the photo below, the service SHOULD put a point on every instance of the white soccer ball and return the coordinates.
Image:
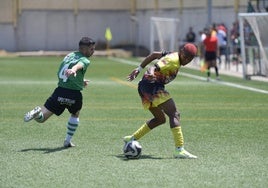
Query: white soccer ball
(132, 149)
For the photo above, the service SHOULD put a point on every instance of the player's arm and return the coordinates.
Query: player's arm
(144, 63)
(74, 69)
(151, 57)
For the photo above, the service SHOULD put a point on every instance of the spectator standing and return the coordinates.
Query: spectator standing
(211, 51)
(190, 36)
(222, 42)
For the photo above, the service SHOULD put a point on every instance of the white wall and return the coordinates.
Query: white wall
(61, 30)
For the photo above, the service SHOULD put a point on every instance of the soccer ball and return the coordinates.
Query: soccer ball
(132, 149)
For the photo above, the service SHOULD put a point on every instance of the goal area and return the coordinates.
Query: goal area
(163, 34)
(254, 44)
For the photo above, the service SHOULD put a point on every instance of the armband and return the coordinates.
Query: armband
(139, 68)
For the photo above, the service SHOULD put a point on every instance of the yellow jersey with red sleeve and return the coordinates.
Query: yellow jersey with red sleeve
(165, 69)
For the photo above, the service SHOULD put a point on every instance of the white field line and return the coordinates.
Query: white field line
(32, 82)
(133, 63)
(226, 83)
(26, 82)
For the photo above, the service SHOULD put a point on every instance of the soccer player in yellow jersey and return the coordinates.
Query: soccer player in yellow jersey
(156, 99)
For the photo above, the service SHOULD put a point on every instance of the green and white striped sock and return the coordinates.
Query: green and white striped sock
(71, 127)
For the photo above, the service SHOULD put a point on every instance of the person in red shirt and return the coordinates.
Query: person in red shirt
(211, 52)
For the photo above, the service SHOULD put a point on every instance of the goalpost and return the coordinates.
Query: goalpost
(163, 34)
(254, 43)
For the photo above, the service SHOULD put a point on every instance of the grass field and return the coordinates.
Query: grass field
(226, 127)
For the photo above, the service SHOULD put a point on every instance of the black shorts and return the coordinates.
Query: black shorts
(210, 56)
(63, 98)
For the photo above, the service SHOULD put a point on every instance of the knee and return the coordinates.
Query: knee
(156, 122)
(174, 115)
(174, 120)
(161, 120)
(177, 115)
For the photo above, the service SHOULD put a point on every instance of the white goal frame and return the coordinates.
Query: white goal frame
(164, 32)
(260, 68)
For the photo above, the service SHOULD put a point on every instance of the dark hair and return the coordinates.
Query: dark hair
(86, 41)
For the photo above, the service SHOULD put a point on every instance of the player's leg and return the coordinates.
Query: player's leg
(51, 106)
(73, 121)
(208, 71)
(158, 119)
(38, 114)
(174, 120)
(72, 125)
(151, 95)
(216, 69)
(208, 64)
(43, 115)
(32, 114)
(214, 64)
(169, 108)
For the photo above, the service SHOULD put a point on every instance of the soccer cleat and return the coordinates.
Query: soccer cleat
(67, 144)
(32, 114)
(181, 153)
(128, 138)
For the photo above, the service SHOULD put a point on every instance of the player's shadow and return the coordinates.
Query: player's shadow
(122, 157)
(44, 150)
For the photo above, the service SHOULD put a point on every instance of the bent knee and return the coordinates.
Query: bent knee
(161, 120)
(177, 115)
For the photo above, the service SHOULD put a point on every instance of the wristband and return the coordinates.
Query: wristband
(139, 68)
(164, 53)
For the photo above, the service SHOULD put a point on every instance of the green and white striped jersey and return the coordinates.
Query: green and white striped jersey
(77, 82)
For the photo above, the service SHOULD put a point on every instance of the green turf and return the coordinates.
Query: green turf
(225, 127)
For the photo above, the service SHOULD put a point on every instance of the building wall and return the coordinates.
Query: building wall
(61, 30)
(27, 25)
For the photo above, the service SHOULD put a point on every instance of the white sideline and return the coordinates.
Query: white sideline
(32, 82)
(226, 83)
(197, 77)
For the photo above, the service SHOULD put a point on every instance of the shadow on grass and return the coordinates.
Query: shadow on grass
(45, 150)
(122, 157)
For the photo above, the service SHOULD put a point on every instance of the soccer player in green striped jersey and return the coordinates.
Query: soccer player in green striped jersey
(68, 93)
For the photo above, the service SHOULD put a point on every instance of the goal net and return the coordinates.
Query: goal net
(163, 34)
(254, 43)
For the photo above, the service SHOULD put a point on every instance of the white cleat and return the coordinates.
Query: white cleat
(127, 139)
(67, 144)
(181, 153)
(32, 114)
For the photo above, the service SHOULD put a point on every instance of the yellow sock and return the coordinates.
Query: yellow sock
(143, 130)
(178, 136)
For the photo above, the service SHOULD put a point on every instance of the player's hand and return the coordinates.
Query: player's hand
(133, 74)
(86, 82)
(69, 72)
